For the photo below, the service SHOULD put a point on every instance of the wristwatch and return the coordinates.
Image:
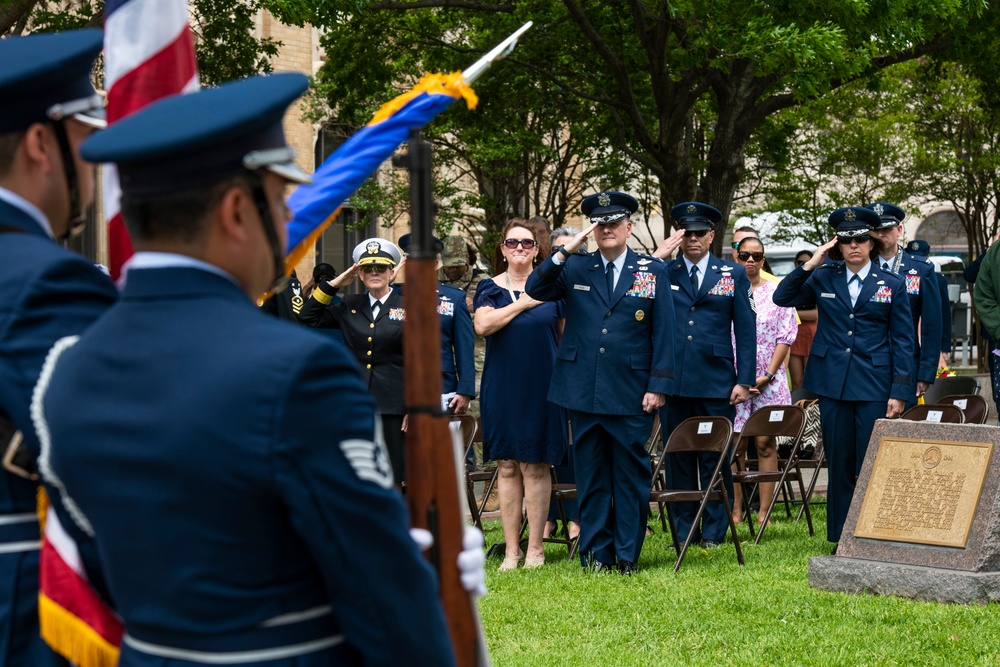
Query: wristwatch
(769, 376)
(562, 251)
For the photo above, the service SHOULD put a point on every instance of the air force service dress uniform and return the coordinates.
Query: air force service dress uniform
(376, 339)
(860, 358)
(238, 527)
(925, 300)
(46, 292)
(458, 341)
(615, 348)
(704, 361)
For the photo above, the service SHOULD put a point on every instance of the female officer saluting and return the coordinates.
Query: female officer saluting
(860, 360)
(372, 326)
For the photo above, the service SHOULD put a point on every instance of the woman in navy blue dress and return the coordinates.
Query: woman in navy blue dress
(521, 429)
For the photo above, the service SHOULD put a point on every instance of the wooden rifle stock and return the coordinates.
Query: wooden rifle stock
(431, 475)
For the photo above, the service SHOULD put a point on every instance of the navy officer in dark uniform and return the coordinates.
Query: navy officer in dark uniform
(47, 107)
(861, 358)
(922, 290)
(921, 250)
(712, 298)
(225, 461)
(612, 372)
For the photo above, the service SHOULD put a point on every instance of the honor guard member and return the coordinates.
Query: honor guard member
(226, 462)
(47, 107)
(372, 326)
(711, 298)
(612, 372)
(922, 249)
(860, 359)
(922, 290)
(458, 342)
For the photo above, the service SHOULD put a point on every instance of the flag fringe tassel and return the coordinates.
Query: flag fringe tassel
(73, 639)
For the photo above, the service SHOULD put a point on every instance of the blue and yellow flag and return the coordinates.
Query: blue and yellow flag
(315, 206)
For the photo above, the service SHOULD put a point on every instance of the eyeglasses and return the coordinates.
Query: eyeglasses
(527, 244)
(699, 232)
(843, 240)
(375, 268)
(745, 255)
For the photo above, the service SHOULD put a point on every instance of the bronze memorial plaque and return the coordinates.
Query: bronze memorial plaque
(923, 491)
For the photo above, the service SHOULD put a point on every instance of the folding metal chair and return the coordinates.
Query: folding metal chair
(471, 435)
(772, 421)
(973, 406)
(943, 414)
(697, 434)
(950, 385)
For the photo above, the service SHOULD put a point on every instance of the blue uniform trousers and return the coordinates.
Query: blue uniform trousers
(20, 644)
(685, 469)
(847, 428)
(612, 463)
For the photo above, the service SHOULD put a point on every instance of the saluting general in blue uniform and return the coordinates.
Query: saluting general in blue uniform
(225, 460)
(861, 357)
(712, 298)
(922, 290)
(613, 370)
(47, 107)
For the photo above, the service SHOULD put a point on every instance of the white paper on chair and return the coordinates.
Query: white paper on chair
(934, 415)
(776, 416)
(704, 427)
(961, 403)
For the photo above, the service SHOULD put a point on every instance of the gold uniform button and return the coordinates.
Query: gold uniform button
(371, 326)
(369, 353)
(369, 366)
(369, 339)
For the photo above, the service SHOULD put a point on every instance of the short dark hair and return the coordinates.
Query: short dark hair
(808, 253)
(178, 216)
(745, 228)
(8, 148)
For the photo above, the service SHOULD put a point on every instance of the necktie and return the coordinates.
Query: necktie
(885, 267)
(610, 276)
(854, 287)
(694, 278)
(375, 308)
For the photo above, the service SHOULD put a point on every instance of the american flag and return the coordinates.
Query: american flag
(148, 54)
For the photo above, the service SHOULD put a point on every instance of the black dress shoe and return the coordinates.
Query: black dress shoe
(627, 568)
(710, 544)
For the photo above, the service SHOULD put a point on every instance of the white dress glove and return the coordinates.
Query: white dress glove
(471, 560)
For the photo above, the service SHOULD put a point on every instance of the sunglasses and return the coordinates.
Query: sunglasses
(699, 233)
(374, 268)
(527, 244)
(842, 240)
(745, 255)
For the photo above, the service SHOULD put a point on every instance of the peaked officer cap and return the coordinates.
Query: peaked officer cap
(404, 243)
(377, 251)
(184, 142)
(695, 216)
(918, 247)
(889, 215)
(607, 207)
(853, 221)
(47, 77)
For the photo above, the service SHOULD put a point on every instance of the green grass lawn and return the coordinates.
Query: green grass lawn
(714, 612)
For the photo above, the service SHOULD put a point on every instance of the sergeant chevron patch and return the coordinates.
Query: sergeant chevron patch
(370, 461)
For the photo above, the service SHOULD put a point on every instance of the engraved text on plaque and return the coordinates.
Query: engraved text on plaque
(923, 491)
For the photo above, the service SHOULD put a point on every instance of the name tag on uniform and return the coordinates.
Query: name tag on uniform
(582, 288)
(675, 287)
(828, 295)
